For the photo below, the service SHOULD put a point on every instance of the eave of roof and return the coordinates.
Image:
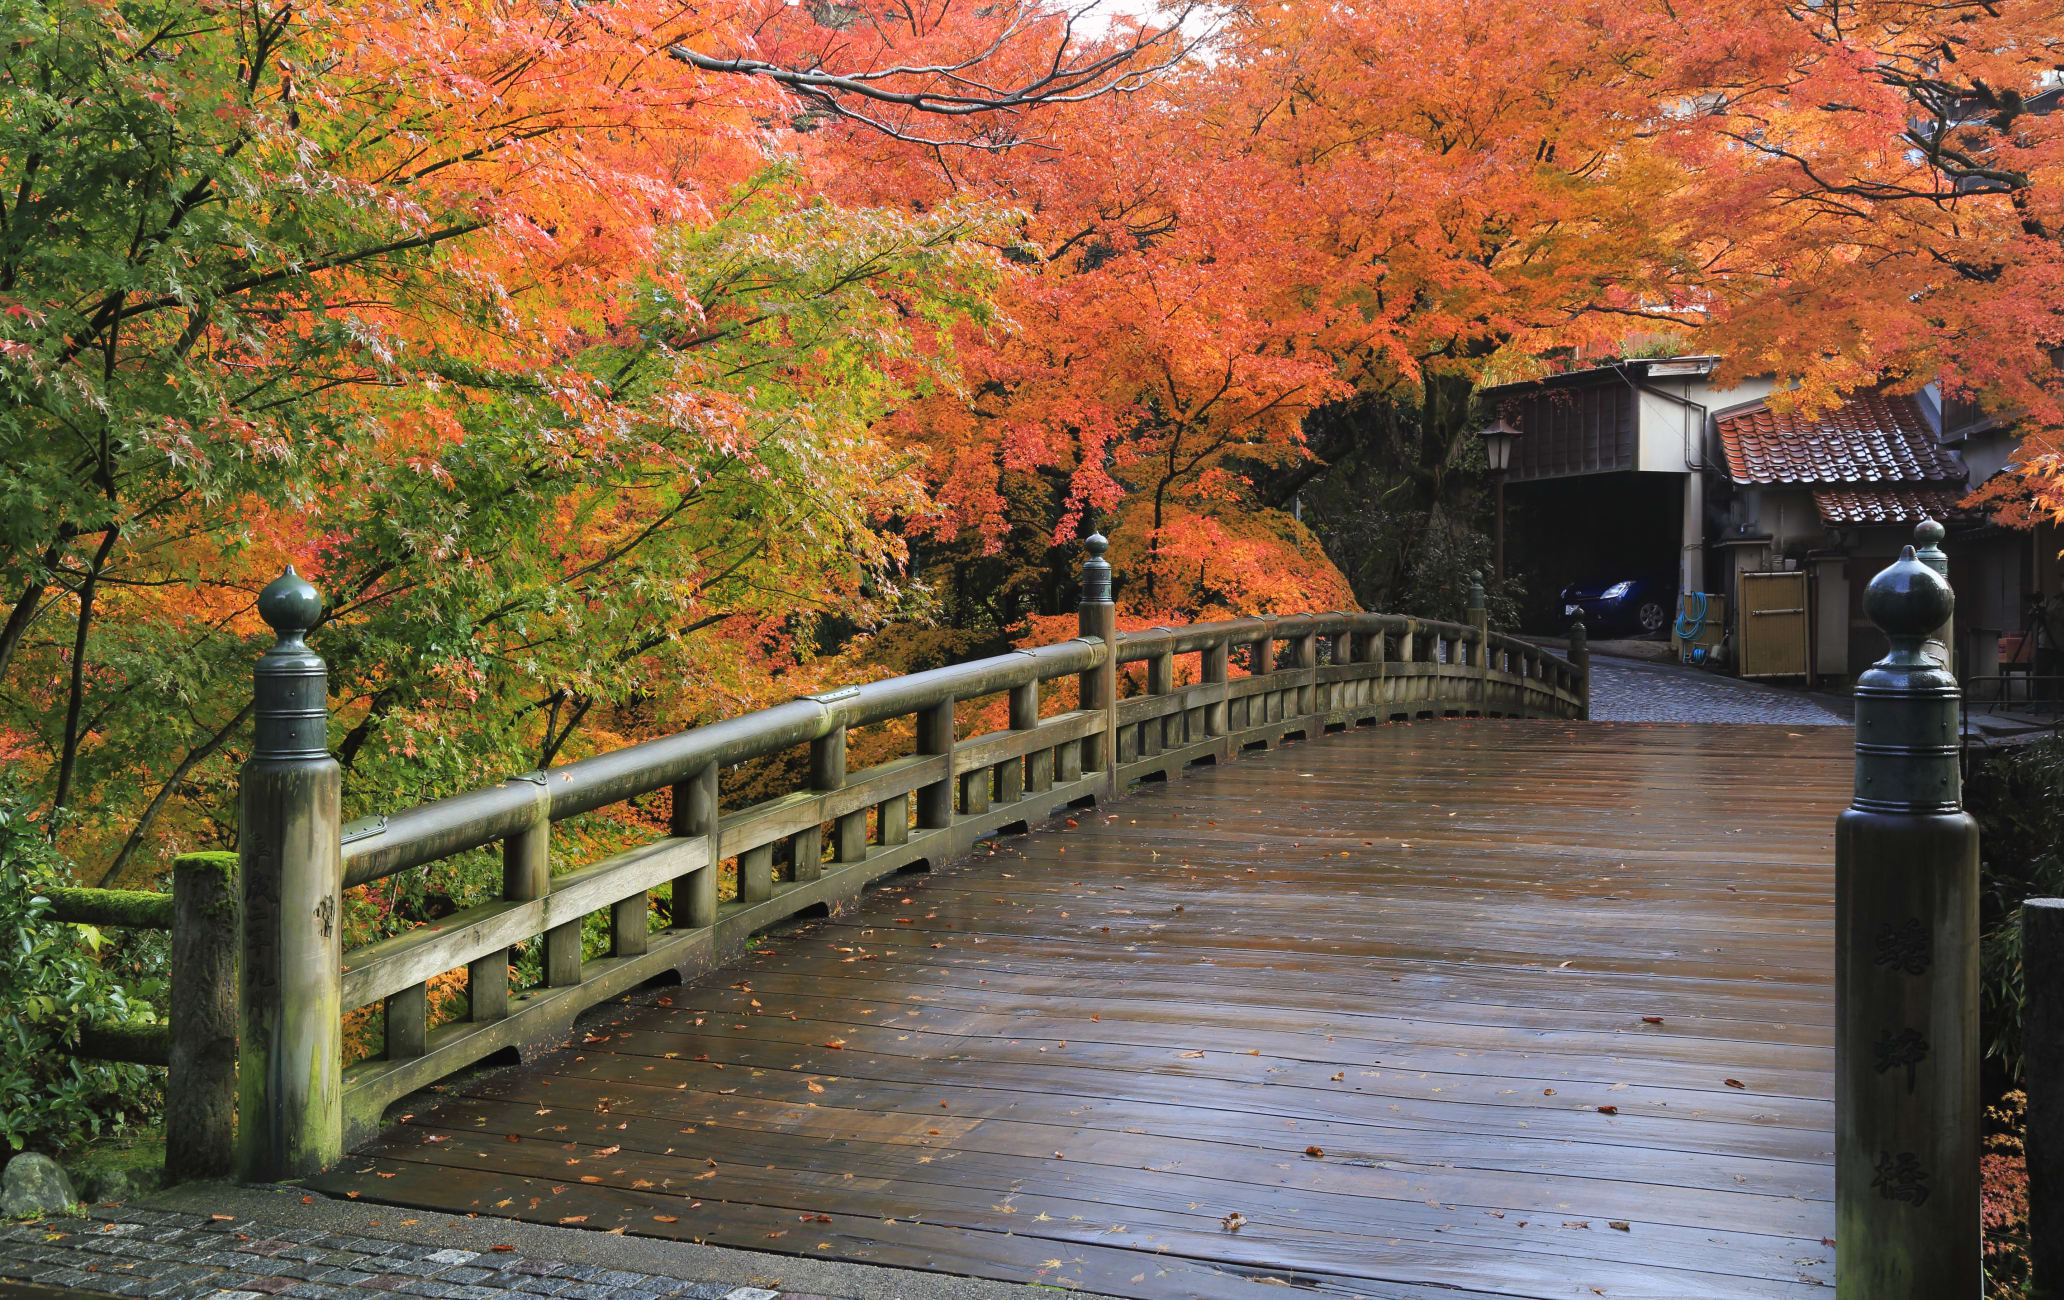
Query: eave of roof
(1633, 369)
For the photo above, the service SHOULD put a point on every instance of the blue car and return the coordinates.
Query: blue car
(1640, 606)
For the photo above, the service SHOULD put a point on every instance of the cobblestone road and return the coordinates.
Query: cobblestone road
(1630, 690)
(165, 1256)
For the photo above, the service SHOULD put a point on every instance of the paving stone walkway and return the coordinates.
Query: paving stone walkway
(1631, 690)
(159, 1255)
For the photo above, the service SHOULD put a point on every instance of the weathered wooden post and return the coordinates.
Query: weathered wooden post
(201, 1078)
(1098, 617)
(1906, 972)
(2042, 1068)
(1480, 619)
(1580, 659)
(695, 812)
(289, 1078)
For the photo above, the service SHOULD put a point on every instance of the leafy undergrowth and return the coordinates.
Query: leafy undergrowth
(2003, 1199)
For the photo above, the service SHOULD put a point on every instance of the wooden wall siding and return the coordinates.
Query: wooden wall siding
(1378, 667)
(1458, 1009)
(1589, 430)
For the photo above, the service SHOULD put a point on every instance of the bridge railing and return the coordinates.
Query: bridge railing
(811, 850)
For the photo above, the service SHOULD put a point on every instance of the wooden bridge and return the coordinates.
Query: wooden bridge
(1334, 951)
(1457, 1008)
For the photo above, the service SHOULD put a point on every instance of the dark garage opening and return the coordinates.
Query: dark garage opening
(1589, 528)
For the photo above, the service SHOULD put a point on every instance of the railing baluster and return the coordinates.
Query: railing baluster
(935, 736)
(695, 813)
(408, 1022)
(892, 820)
(1263, 656)
(630, 925)
(1217, 661)
(756, 874)
(827, 772)
(1161, 733)
(527, 874)
(975, 790)
(1307, 665)
(1036, 768)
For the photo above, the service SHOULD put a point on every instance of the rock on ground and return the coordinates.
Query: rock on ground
(34, 1184)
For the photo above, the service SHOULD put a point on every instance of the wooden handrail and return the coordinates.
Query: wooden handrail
(1306, 674)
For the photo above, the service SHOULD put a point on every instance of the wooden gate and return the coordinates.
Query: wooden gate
(1775, 641)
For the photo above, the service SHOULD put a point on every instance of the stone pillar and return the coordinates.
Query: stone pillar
(1098, 618)
(290, 860)
(1906, 972)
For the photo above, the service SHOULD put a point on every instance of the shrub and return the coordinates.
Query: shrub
(54, 979)
(2017, 795)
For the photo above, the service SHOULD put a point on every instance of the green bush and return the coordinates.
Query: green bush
(2017, 795)
(55, 979)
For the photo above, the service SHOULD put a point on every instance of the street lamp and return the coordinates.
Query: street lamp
(1497, 445)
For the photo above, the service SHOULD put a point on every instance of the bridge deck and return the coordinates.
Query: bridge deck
(1457, 1009)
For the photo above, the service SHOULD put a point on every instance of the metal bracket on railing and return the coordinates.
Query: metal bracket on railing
(535, 778)
(363, 829)
(832, 697)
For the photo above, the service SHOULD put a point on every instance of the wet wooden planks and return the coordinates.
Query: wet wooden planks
(1459, 1009)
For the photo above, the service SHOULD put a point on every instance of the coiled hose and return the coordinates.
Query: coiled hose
(1692, 625)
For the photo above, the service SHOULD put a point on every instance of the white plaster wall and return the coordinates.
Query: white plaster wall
(1667, 431)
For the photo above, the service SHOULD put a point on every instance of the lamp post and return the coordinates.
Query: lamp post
(1497, 445)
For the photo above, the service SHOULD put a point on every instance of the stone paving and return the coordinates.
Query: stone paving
(1630, 690)
(168, 1256)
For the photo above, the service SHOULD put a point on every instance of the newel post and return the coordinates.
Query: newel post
(290, 860)
(1099, 618)
(1906, 971)
(1580, 659)
(1480, 619)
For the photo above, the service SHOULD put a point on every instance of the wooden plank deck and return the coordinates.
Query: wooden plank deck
(1452, 1009)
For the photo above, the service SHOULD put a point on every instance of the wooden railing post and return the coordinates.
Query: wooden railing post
(695, 813)
(290, 859)
(1097, 617)
(935, 736)
(1217, 663)
(1580, 660)
(1163, 733)
(1306, 699)
(1906, 971)
(827, 772)
(1024, 716)
(201, 1079)
(2042, 1067)
(1480, 619)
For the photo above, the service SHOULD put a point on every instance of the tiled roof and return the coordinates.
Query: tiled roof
(1872, 439)
(1886, 503)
